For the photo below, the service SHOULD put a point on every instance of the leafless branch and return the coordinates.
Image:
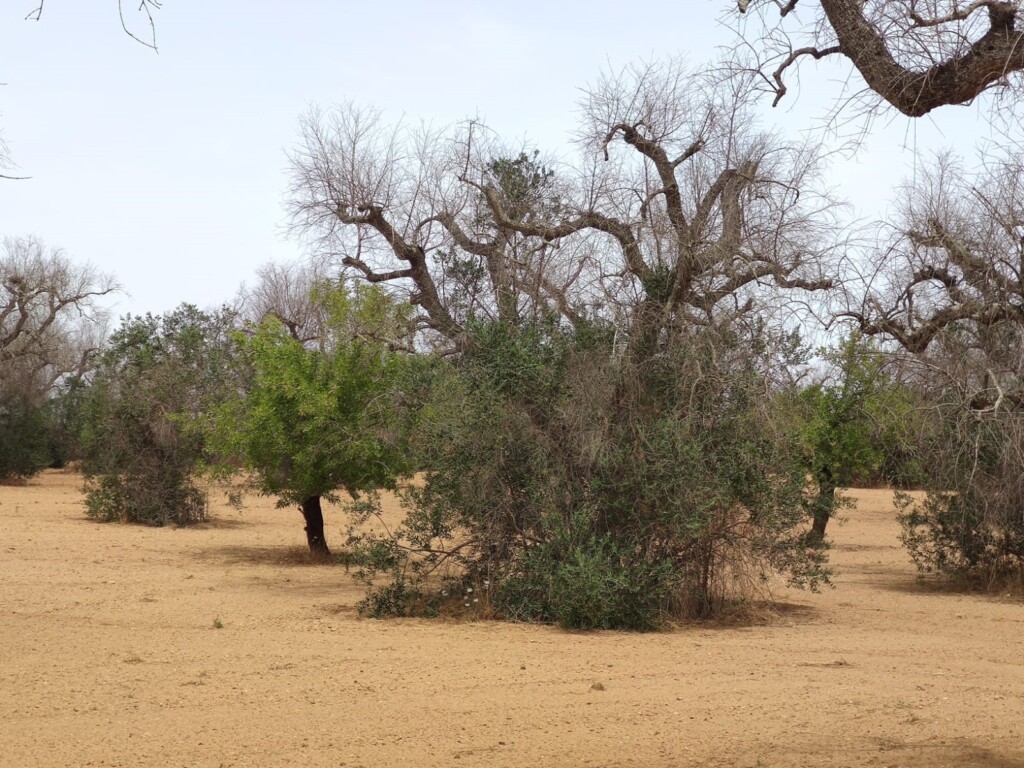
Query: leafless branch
(780, 85)
(145, 7)
(679, 208)
(49, 322)
(911, 58)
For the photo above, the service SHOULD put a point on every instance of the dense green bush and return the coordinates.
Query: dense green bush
(41, 431)
(151, 494)
(565, 483)
(591, 584)
(141, 438)
(25, 438)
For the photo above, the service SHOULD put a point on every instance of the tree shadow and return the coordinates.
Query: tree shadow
(222, 523)
(757, 613)
(210, 524)
(933, 585)
(834, 547)
(248, 554)
(961, 755)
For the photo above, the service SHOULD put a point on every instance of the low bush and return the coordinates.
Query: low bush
(970, 524)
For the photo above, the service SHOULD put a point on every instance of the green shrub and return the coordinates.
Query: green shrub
(577, 487)
(25, 435)
(140, 437)
(392, 600)
(591, 585)
(149, 495)
(970, 524)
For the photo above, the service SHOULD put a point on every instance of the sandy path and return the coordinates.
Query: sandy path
(109, 657)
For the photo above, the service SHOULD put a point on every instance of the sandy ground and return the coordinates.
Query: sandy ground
(109, 657)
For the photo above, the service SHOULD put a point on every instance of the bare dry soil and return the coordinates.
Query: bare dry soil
(221, 646)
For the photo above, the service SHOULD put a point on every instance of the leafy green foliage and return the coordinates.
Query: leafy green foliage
(141, 435)
(858, 425)
(525, 184)
(861, 423)
(317, 420)
(591, 584)
(25, 438)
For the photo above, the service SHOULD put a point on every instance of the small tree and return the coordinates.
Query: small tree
(141, 440)
(858, 423)
(317, 420)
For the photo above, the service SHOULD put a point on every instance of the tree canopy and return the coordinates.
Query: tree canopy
(313, 421)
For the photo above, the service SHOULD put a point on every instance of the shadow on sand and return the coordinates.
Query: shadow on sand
(239, 554)
(962, 755)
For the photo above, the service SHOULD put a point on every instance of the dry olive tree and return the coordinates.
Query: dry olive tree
(288, 292)
(50, 328)
(949, 290)
(680, 212)
(600, 449)
(50, 323)
(915, 55)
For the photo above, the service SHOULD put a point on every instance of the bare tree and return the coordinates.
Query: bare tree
(286, 291)
(50, 324)
(954, 257)
(949, 289)
(6, 163)
(681, 211)
(915, 55)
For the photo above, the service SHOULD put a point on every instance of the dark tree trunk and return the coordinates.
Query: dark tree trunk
(314, 517)
(824, 505)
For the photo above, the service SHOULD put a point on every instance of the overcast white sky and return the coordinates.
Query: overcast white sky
(169, 169)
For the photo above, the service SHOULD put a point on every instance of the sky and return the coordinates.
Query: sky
(168, 169)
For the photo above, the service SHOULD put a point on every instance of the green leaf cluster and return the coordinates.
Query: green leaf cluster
(860, 424)
(565, 482)
(316, 420)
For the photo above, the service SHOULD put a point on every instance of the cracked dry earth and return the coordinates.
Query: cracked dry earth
(109, 656)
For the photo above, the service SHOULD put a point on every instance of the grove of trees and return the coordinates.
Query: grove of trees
(51, 326)
(591, 381)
